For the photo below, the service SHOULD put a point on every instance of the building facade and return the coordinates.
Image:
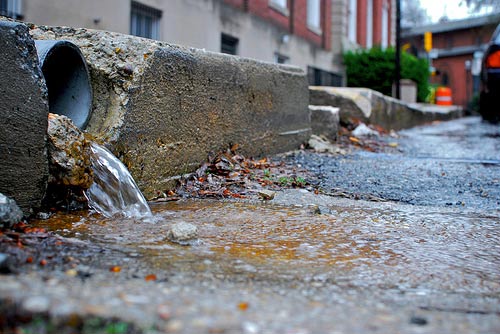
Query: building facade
(457, 50)
(311, 34)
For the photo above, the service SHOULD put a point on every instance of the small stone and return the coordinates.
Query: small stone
(364, 131)
(43, 215)
(418, 321)
(174, 326)
(323, 145)
(4, 268)
(250, 327)
(182, 233)
(314, 209)
(69, 153)
(10, 213)
(71, 272)
(266, 195)
(36, 304)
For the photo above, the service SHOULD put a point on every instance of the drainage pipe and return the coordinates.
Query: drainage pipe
(67, 78)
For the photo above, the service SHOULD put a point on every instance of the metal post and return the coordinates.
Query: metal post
(398, 48)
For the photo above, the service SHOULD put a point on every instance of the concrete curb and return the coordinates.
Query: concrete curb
(23, 111)
(325, 121)
(163, 108)
(372, 107)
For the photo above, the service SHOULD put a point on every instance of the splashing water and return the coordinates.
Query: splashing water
(114, 191)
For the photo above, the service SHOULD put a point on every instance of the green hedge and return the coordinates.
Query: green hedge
(375, 69)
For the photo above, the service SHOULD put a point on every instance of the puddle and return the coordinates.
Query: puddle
(392, 246)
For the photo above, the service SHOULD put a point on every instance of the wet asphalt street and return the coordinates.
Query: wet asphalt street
(419, 252)
(453, 163)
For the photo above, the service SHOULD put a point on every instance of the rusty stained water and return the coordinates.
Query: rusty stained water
(396, 247)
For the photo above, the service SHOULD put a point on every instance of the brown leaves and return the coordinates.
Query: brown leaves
(231, 175)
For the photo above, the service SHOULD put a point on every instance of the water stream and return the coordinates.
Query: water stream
(114, 191)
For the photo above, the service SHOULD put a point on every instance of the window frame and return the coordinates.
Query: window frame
(280, 58)
(352, 21)
(148, 18)
(13, 9)
(369, 24)
(280, 6)
(232, 43)
(314, 16)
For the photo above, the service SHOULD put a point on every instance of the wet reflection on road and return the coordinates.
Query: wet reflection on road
(387, 245)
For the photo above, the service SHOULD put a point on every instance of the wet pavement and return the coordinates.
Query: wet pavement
(420, 255)
(453, 163)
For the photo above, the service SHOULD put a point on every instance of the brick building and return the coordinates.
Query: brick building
(457, 49)
(311, 34)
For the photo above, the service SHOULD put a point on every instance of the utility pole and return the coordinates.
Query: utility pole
(398, 48)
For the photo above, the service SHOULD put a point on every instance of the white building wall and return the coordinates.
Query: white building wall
(194, 23)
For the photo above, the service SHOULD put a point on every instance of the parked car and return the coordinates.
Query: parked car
(489, 99)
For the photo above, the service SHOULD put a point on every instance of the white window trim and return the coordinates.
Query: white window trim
(384, 42)
(314, 16)
(369, 24)
(352, 21)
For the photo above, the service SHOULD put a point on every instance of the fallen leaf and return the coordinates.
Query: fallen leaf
(243, 306)
(150, 277)
(354, 140)
(115, 269)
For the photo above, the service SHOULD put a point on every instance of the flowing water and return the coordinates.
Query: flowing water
(114, 191)
(402, 247)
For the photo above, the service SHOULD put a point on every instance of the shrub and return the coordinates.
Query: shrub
(375, 69)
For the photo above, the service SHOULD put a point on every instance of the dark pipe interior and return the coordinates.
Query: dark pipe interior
(67, 80)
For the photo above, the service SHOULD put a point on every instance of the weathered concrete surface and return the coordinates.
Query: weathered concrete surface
(163, 108)
(373, 107)
(23, 111)
(69, 154)
(325, 121)
(10, 213)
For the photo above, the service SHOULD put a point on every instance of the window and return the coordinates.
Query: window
(369, 23)
(352, 20)
(385, 26)
(319, 77)
(145, 21)
(11, 8)
(229, 44)
(279, 3)
(280, 59)
(314, 14)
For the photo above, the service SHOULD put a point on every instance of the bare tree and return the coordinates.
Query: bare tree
(477, 5)
(413, 15)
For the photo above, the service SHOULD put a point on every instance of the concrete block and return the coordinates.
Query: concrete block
(162, 108)
(325, 121)
(23, 111)
(372, 107)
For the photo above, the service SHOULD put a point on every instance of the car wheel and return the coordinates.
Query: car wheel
(487, 108)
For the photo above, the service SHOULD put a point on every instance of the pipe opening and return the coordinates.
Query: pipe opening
(67, 78)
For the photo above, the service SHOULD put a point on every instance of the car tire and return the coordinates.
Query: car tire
(487, 108)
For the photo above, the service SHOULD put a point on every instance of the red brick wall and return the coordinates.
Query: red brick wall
(459, 80)
(361, 25)
(376, 21)
(301, 29)
(472, 36)
(297, 13)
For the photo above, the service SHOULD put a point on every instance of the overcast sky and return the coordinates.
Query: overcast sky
(437, 8)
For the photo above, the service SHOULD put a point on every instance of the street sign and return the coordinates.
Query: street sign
(428, 41)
